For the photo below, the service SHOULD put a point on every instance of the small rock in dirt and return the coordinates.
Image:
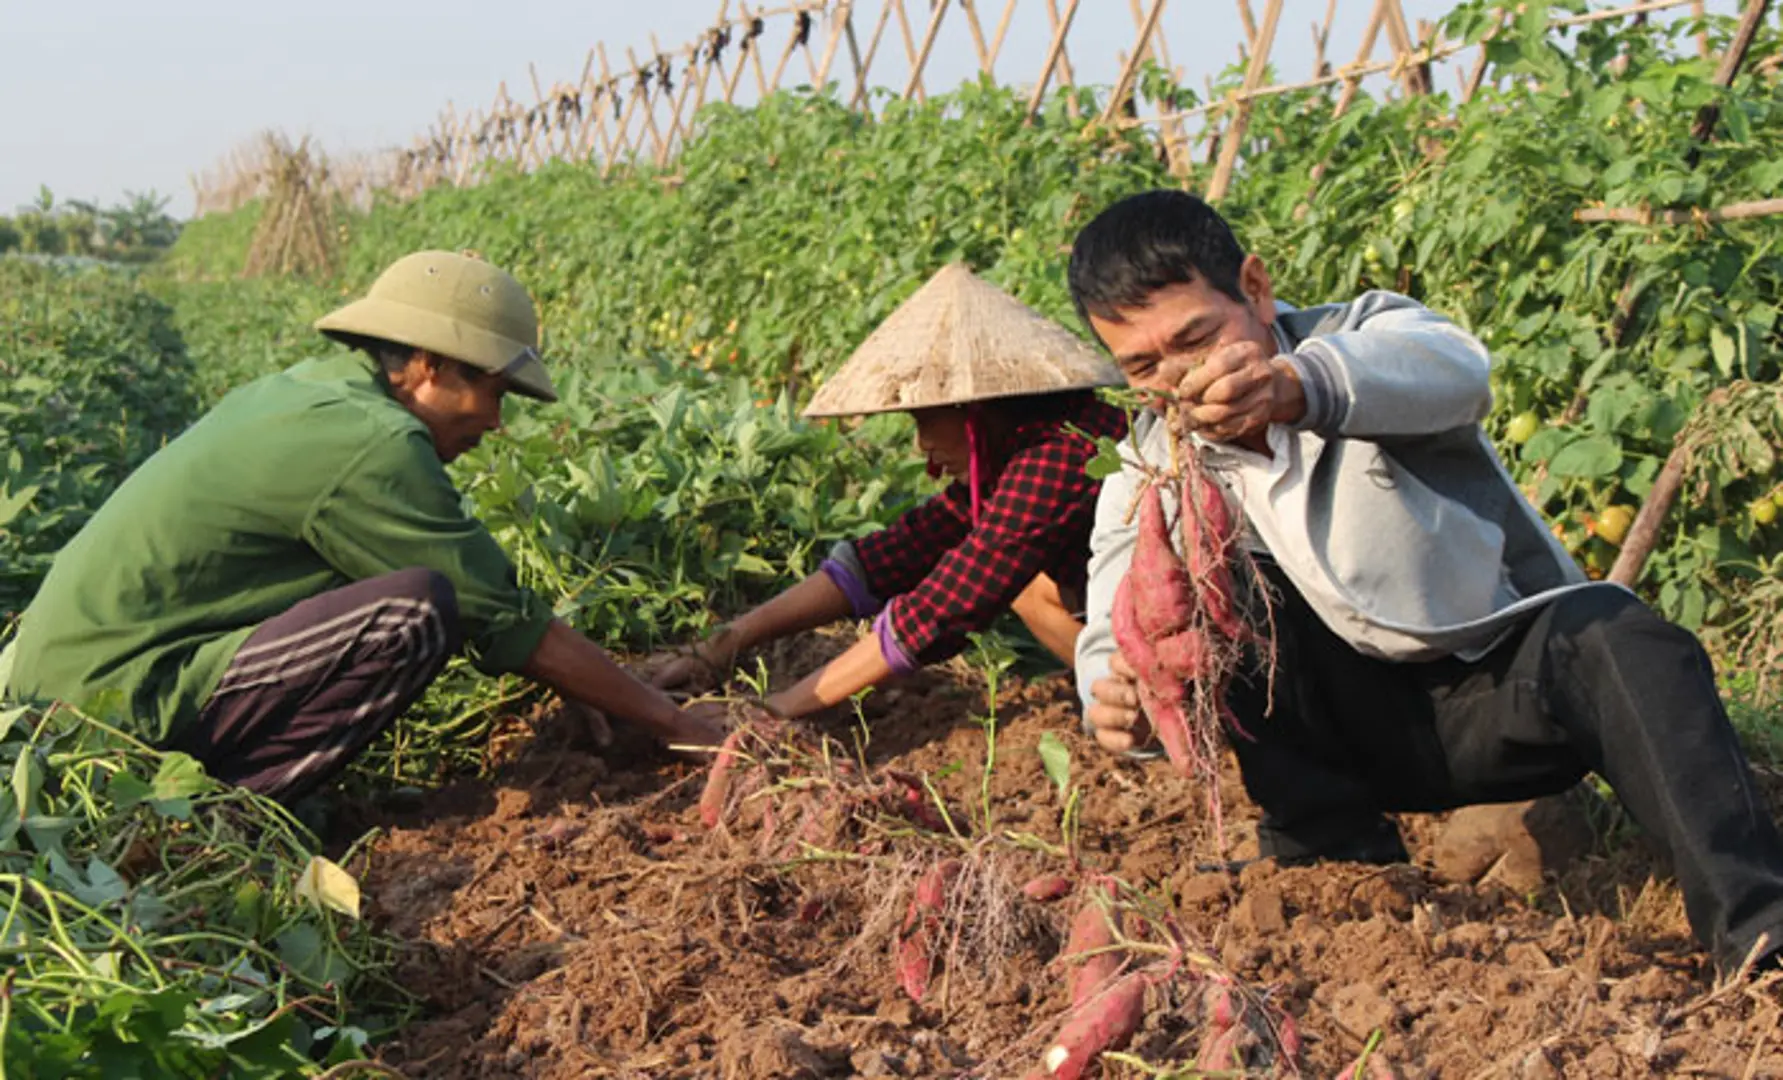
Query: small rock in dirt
(1537, 1066)
(777, 1051)
(511, 804)
(1528, 957)
(1260, 911)
(1515, 844)
(870, 1063)
(1204, 892)
(1361, 1007)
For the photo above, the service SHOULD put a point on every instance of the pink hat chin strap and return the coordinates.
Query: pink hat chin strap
(973, 444)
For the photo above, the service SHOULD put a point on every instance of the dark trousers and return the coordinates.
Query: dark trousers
(312, 687)
(1595, 682)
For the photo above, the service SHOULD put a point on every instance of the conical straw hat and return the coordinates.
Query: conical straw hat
(960, 339)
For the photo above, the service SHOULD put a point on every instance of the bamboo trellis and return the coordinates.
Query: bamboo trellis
(640, 112)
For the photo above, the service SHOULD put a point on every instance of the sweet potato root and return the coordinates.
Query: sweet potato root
(1104, 1022)
(1162, 590)
(717, 790)
(921, 929)
(1048, 887)
(1092, 932)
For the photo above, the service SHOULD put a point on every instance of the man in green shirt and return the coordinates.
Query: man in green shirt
(280, 582)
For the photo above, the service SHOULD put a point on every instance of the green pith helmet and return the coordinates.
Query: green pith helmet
(454, 306)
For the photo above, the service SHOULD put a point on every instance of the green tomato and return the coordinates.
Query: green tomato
(1522, 427)
(1545, 264)
(1696, 327)
(1763, 511)
(1402, 209)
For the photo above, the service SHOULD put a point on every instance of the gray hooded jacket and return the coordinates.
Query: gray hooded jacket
(1386, 505)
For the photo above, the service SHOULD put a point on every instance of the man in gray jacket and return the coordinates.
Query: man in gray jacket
(1436, 647)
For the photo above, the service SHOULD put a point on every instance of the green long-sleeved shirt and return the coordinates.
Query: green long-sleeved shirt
(295, 484)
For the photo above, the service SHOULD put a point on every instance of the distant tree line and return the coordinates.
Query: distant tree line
(134, 230)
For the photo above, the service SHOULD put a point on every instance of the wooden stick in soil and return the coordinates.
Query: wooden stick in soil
(761, 73)
(1053, 52)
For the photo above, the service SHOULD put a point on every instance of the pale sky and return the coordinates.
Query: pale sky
(106, 96)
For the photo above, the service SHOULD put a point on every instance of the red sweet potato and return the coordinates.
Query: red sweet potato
(717, 789)
(1184, 656)
(1104, 1023)
(1287, 1033)
(1224, 1049)
(922, 928)
(1091, 930)
(1207, 536)
(1163, 593)
(1048, 887)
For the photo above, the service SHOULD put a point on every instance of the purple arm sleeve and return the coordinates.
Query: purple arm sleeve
(863, 601)
(901, 662)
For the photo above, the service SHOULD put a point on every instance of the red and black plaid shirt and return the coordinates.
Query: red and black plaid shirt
(947, 578)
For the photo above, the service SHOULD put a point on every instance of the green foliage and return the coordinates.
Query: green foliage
(150, 922)
(136, 230)
(93, 378)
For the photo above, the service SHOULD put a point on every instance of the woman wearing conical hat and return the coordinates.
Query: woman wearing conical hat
(995, 390)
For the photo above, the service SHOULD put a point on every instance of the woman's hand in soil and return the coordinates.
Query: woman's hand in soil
(703, 723)
(1118, 721)
(698, 668)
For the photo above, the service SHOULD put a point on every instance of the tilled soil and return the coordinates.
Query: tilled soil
(573, 918)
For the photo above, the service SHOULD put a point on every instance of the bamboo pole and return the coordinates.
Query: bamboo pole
(854, 45)
(1067, 76)
(754, 43)
(622, 138)
(649, 111)
(1699, 11)
(1414, 77)
(1710, 114)
(970, 7)
(1124, 84)
(1234, 137)
(792, 42)
(730, 86)
(1321, 37)
(928, 45)
(1644, 215)
(1053, 52)
(688, 78)
(909, 37)
(1249, 22)
(538, 122)
(859, 98)
(996, 48)
(840, 20)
